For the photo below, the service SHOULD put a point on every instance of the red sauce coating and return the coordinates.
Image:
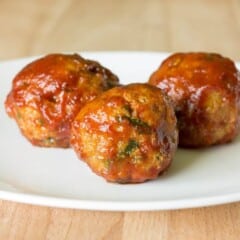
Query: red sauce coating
(127, 135)
(204, 88)
(53, 89)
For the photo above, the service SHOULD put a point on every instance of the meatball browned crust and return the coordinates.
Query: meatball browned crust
(128, 134)
(205, 89)
(47, 94)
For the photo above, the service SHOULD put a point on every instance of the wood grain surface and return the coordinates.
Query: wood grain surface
(32, 27)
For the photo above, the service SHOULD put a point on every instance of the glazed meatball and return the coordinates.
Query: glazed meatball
(126, 135)
(204, 88)
(48, 93)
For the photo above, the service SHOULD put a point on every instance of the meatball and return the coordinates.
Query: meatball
(204, 88)
(126, 135)
(48, 93)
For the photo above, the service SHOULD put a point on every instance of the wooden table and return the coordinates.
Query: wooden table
(43, 26)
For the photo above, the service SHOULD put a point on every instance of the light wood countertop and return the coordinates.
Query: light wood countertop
(38, 27)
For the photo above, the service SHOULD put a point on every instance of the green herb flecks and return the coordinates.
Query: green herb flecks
(49, 141)
(141, 126)
(128, 109)
(210, 56)
(131, 146)
(40, 122)
(107, 164)
(158, 157)
(136, 121)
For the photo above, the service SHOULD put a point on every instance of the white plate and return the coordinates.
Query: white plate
(55, 177)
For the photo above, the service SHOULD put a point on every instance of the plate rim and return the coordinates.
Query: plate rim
(108, 205)
(105, 205)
